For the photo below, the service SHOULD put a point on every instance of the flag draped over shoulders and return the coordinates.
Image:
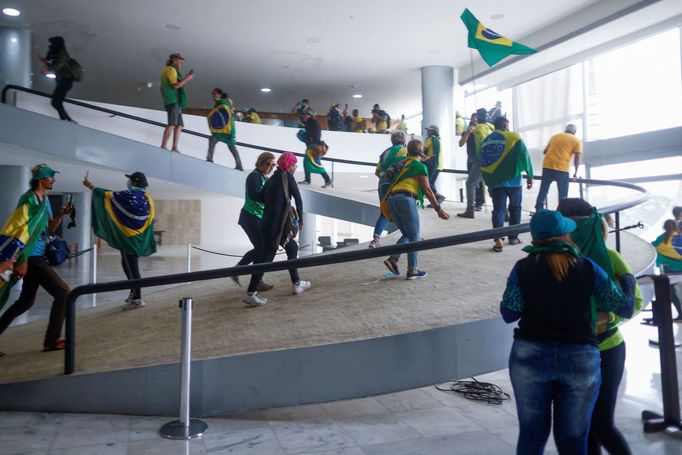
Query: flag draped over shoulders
(125, 219)
(669, 253)
(492, 46)
(504, 156)
(24, 226)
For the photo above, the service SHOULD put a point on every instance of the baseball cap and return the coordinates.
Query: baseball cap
(433, 128)
(176, 55)
(546, 224)
(42, 171)
(139, 179)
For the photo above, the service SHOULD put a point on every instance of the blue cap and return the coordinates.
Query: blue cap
(546, 224)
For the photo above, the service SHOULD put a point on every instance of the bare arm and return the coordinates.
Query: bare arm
(465, 137)
(576, 162)
(182, 83)
(424, 182)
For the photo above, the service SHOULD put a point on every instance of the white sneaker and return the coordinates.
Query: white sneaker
(301, 287)
(133, 304)
(375, 243)
(254, 299)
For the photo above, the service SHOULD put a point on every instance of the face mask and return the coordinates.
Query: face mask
(130, 186)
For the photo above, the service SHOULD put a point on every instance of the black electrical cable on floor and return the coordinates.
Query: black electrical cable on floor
(476, 391)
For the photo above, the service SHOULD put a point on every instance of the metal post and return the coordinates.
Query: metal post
(618, 231)
(332, 174)
(189, 257)
(580, 188)
(185, 428)
(94, 272)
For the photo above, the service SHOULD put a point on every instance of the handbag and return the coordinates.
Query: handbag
(290, 226)
(57, 251)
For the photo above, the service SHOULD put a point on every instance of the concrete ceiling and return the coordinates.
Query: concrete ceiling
(325, 51)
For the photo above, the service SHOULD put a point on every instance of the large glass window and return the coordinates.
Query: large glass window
(487, 99)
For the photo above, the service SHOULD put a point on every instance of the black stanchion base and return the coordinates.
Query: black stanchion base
(654, 422)
(654, 342)
(177, 430)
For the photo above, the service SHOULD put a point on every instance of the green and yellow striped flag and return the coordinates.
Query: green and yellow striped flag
(492, 46)
(504, 157)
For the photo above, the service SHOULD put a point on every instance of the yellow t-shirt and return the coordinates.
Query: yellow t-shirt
(358, 125)
(481, 131)
(170, 74)
(560, 149)
(254, 118)
(410, 184)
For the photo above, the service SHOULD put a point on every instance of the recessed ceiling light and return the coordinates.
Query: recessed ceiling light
(313, 40)
(13, 39)
(434, 51)
(51, 76)
(173, 27)
(11, 12)
(497, 16)
(265, 90)
(357, 95)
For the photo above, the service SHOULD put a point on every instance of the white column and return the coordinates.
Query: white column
(308, 235)
(437, 108)
(15, 58)
(15, 181)
(82, 233)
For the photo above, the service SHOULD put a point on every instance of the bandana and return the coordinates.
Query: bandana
(285, 161)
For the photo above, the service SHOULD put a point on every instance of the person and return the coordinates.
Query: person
(590, 238)
(495, 112)
(221, 123)
(357, 123)
(474, 183)
(298, 110)
(669, 258)
(390, 157)
(434, 159)
(381, 119)
(315, 149)
(402, 125)
(174, 98)
(554, 360)
(57, 62)
(677, 215)
(252, 212)
(482, 129)
(275, 198)
(125, 220)
(504, 157)
(27, 230)
(7, 265)
(409, 185)
(555, 166)
(252, 117)
(334, 118)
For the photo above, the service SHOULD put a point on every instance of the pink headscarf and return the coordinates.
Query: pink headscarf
(285, 161)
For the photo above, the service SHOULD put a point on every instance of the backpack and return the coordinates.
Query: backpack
(57, 251)
(289, 228)
(75, 70)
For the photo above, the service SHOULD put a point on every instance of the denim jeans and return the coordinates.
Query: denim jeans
(549, 176)
(499, 196)
(382, 188)
(473, 184)
(403, 209)
(549, 376)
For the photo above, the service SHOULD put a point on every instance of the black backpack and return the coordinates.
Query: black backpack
(76, 70)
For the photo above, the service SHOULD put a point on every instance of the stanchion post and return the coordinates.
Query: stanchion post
(580, 188)
(332, 174)
(618, 231)
(94, 272)
(663, 318)
(189, 257)
(185, 428)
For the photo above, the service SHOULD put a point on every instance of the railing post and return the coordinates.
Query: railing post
(618, 231)
(189, 257)
(580, 188)
(94, 272)
(663, 318)
(332, 172)
(70, 337)
(185, 428)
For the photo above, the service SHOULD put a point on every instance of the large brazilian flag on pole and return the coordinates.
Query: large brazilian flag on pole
(492, 46)
(504, 157)
(125, 219)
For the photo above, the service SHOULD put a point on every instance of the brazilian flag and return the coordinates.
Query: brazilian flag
(492, 46)
(26, 224)
(503, 157)
(669, 253)
(125, 219)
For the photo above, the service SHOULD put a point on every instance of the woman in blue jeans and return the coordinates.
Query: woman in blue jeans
(554, 365)
(409, 185)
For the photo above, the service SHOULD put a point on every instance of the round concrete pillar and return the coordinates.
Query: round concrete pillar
(15, 59)
(15, 182)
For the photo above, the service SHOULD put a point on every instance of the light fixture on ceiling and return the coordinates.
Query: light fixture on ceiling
(149, 84)
(11, 12)
(357, 96)
(50, 76)
(173, 27)
(14, 39)
(312, 40)
(266, 90)
(497, 16)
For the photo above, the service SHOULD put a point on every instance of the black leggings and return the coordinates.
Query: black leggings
(59, 94)
(251, 225)
(267, 254)
(603, 431)
(131, 268)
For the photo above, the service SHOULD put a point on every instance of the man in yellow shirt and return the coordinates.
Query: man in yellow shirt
(557, 163)
(252, 117)
(358, 123)
(174, 98)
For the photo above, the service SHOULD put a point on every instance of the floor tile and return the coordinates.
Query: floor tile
(377, 429)
(355, 408)
(255, 441)
(344, 451)
(166, 447)
(409, 400)
(81, 430)
(113, 448)
(439, 421)
(468, 443)
(298, 437)
(308, 412)
(28, 439)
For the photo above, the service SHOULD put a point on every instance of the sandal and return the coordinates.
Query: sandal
(57, 346)
(497, 248)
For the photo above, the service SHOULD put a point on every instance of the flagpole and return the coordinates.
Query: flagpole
(473, 76)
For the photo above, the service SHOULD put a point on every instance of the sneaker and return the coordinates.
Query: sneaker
(301, 287)
(375, 243)
(56, 346)
(329, 184)
(415, 274)
(235, 280)
(440, 198)
(478, 208)
(392, 264)
(515, 241)
(254, 299)
(262, 287)
(466, 214)
(304, 182)
(133, 304)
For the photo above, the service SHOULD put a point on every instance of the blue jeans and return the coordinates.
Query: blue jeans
(548, 375)
(403, 209)
(549, 176)
(499, 196)
(380, 226)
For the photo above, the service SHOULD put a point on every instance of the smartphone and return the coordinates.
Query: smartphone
(191, 72)
(69, 199)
